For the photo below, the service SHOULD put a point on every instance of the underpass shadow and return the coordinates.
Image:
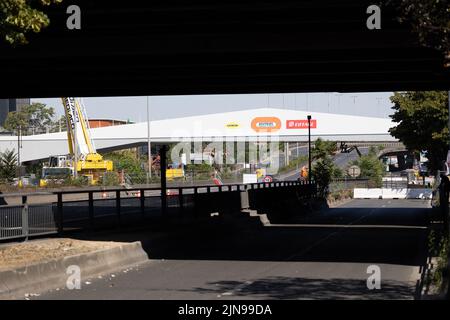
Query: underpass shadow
(307, 288)
(241, 237)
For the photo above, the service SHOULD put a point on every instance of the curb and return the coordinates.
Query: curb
(41, 277)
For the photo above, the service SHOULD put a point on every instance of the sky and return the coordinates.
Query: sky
(374, 104)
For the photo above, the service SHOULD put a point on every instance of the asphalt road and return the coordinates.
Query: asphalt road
(323, 256)
(341, 160)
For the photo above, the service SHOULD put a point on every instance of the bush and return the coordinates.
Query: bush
(128, 162)
(438, 246)
(79, 181)
(322, 173)
(371, 168)
(110, 178)
(8, 165)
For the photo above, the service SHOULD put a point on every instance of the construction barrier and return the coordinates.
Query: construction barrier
(391, 193)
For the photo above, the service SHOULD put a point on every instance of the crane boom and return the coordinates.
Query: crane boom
(77, 128)
(89, 162)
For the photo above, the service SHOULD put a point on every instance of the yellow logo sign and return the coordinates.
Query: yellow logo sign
(232, 125)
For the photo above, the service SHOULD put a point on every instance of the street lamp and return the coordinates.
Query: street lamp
(309, 149)
(149, 144)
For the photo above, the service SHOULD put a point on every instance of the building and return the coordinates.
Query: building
(100, 123)
(9, 105)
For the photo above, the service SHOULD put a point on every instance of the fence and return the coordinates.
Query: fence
(22, 221)
(345, 184)
(72, 210)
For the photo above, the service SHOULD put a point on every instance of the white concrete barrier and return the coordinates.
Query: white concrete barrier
(364, 193)
(419, 194)
(394, 193)
(391, 193)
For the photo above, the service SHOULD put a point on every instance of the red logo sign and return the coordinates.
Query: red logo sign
(300, 124)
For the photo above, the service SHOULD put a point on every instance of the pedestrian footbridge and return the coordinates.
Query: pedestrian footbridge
(263, 124)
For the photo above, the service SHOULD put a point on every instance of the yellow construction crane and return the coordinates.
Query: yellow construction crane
(83, 157)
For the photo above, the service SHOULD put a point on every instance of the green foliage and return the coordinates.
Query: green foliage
(59, 124)
(37, 116)
(19, 17)
(199, 167)
(337, 172)
(127, 161)
(16, 120)
(323, 172)
(199, 171)
(8, 165)
(79, 181)
(110, 179)
(422, 118)
(323, 148)
(371, 168)
(438, 246)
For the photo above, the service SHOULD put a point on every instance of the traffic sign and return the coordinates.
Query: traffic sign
(354, 171)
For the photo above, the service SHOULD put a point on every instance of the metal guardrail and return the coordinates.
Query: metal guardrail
(23, 221)
(102, 206)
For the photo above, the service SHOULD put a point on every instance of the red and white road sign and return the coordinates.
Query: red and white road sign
(300, 124)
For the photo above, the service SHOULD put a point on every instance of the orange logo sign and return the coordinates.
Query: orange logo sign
(266, 124)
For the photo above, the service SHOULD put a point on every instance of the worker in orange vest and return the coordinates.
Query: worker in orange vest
(304, 173)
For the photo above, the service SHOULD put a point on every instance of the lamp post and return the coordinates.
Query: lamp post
(309, 149)
(149, 144)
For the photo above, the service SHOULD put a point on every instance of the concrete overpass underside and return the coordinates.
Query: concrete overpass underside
(211, 47)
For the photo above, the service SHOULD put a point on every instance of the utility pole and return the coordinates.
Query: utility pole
(309, 149)
(18, 146)
(149, 143)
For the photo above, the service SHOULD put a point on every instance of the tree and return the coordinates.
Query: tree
(59, 124)
(422, 118)
(323, 148)
(16, 121)
(8, 165)
(128, 162)
(323, 172)
(19, 17)
(371, 167)
(36, 116)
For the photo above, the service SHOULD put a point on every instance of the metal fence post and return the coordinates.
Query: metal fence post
(180, 200)
(25, 226)
(91, 209)
(195, 202)
(163, 166)
(59, 211)
(118, 207)
(142, 201)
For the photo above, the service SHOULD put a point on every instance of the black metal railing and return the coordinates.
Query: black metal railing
(66, 210)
